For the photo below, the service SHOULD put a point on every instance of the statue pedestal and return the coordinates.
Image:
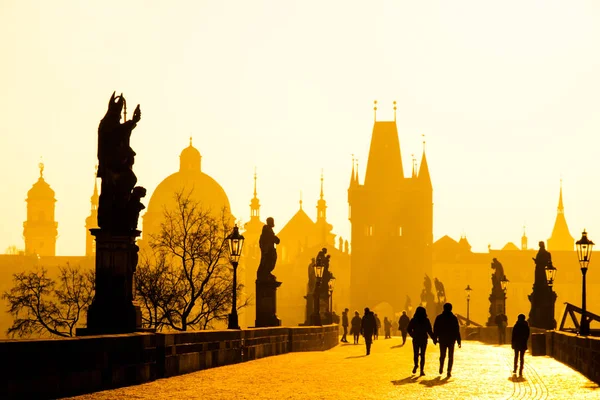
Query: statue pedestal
(112, 310)
(496, 307)
(266, 303)
(541, 315)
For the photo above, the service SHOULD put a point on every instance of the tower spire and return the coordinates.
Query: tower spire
(561, 238)
(414, 166)
(254, 203)
(560, 208)
(41, 167)
(321, 196)
(394, 111)
(375, 110)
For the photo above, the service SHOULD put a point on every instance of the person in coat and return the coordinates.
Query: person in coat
(345, 325)
(355, 326)
(403, 326)
(418, 329)
(520, 334)
(387, 328)
(447, 332)
(501, 322)
(368, 327)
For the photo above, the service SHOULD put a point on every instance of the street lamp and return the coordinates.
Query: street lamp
(504, 285)
(550, 274)
(236, 242)
(468, 292)
(330, 286)
(584, 252)
(319, 268)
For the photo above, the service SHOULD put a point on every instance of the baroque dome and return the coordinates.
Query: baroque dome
(189, 179)
(41, 189)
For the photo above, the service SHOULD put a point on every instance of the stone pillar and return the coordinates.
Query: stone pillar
(497, 299)
(266, 303)
(543, 300)
(112, 311)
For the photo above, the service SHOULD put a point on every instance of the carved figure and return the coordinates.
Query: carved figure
(497, 276)
(542, 259)
(115, 163)
(441, 292)
(312, 279)
(268, 252)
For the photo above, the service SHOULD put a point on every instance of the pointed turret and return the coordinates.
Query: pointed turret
(91, 222)
(384, 166)
(524, 240)
(353, 180)
(323, 227)
(561, 239)
(424, 177)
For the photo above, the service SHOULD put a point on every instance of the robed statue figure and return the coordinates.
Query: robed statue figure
(119, 204)
(268, 252)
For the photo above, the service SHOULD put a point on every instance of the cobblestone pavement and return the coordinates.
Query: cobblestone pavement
(480, 372)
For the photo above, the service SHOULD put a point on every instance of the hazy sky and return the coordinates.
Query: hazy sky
(506, 93)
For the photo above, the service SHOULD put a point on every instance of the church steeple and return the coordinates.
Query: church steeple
(561, 239)
(524, 240)
(91, 222)
(353, 176)
(254, 203)
(40, 229)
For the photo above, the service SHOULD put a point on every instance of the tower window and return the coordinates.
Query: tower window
(369, 230)
(399, 231)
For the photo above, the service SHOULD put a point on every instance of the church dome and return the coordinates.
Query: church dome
(41, 189)
(188, 180)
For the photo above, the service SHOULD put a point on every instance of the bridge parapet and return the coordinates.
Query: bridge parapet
(66, 367)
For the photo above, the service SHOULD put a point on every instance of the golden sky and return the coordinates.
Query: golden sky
(506, 93)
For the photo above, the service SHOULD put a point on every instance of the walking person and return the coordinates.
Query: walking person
(403, 326)
(377, 326)
(520, 334)
(345, 325)
(355, 329)
(368, 327)
(387, 328)
(447, 332)
(418, 329)
(501, 322)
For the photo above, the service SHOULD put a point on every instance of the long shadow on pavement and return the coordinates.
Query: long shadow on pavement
(397, 346)
(408, 379)
(364, 355)
(435, 381)
(515, 378)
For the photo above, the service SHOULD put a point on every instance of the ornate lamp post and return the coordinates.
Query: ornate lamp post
(319, 268)
(331, 285)
(236, 242)
(584, 252)
(468, 292)
(504, 285)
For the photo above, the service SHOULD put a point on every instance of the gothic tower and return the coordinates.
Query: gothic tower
(323, 227)
(561, 239)
(392, 225)
(91, 222)
(40, 230)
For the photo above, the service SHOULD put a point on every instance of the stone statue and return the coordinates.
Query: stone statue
(497, 276)
(542, 259)
(441, 292)
(117, 208)
(268, 258)
(312, 279)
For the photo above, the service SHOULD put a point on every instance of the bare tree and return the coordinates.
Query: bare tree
(42, 306)
(186, 283)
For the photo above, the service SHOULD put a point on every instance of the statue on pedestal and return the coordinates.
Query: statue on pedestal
(542, 298)
(266, 283)
(112, 310)
(497, 296)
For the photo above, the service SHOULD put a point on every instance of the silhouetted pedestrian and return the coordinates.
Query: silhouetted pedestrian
(501, 322)
(403, 326)
(520, 334)
(387, 328)
(447, 332)
(345, 325)
(355, 329)
(368, 327)
(418, 328)
(377, 326)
